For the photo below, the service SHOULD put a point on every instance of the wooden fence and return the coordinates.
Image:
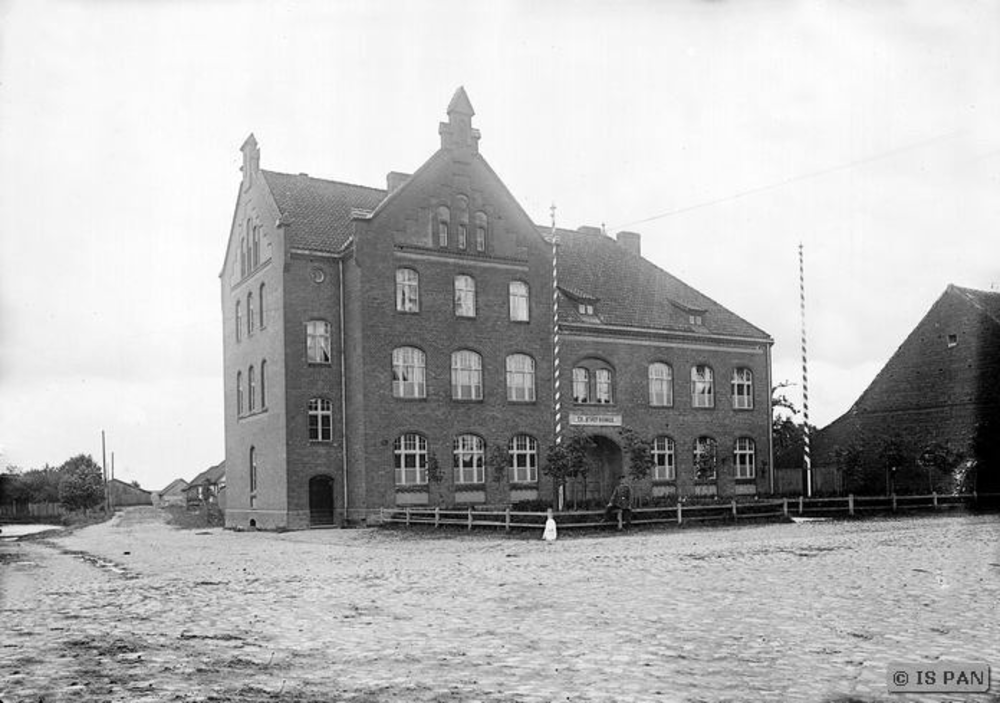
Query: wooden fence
(680, 514)
(26, 512)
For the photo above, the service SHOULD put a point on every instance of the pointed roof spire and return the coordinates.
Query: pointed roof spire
(460, 103)
(457, 132)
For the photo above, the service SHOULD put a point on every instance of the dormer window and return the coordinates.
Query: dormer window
(695, 319)
(585, 309)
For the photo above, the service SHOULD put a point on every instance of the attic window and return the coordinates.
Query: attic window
(585, 309)
(952, 340)
(695, 319)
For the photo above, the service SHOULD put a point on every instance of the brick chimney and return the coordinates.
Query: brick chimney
(632, 241)
(394, 179)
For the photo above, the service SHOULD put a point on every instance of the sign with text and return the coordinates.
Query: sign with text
(938, 677)
(596, 419)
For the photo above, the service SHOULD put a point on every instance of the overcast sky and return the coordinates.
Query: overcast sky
(724, 132)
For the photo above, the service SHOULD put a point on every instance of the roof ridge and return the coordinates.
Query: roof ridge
(971, 295)
(324, 180)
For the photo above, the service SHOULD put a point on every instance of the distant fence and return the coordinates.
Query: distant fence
(30, 511)
(680, 514)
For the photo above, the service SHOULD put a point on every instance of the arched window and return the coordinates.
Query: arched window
(463, 222)
(410, 456)
(465, 296)
(407, 290)
(664, 462)
(251, 389)
(239, 393)
(466, 375)
(239, 320)
(520, 378)
(260, 304)
(408, 373)
(263, 384)
(250, 319)
(744, 458)
(602, 386)
(742, 389)
(320, 420)
(702, 387)
(705, 459)
(243, 254)
(593, 383)
(253, 469)
(318, 342)
(523, 451)
(256, 246)
(518, 291)
(480, 231)
(468, 459)
(661, 385)
(443, 218)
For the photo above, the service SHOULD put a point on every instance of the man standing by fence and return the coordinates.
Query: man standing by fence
(620, 504)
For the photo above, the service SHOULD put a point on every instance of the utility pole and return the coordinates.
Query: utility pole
(104, 469)
(111, 501)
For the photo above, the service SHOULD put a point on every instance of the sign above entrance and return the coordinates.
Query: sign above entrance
(596, 419)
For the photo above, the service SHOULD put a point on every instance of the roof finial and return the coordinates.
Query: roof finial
(457, 132)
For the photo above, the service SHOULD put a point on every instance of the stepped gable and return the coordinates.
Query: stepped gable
(633, 292)
(319, 211)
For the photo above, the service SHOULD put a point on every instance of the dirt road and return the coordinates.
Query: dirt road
(135, 610)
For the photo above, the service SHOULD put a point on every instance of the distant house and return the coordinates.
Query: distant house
(173, 494)
(123, 494)
(208, 487)
(931, 418)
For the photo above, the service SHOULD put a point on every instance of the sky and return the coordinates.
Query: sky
(726, 133)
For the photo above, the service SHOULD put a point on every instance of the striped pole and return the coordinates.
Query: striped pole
(806, 458)
(557, 391)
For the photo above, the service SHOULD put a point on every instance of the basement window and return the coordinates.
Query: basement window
(952, 340)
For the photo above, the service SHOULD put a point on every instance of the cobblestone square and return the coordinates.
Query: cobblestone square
(135, 610)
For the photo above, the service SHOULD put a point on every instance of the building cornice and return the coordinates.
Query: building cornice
(649, 334)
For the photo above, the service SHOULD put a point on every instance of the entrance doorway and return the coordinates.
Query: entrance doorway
(604, 467)
(321, 500)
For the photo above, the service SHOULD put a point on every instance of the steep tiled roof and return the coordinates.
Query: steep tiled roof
(633, 292)
(210, 475)
(178, 483)
(319, 211)
(987, 301)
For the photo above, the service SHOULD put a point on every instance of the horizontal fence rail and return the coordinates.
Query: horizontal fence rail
(775, 509)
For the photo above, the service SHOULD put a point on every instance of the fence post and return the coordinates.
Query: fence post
(407, 516)
(893, 502)
(784, 506)
(437, 516)
(800, 505)
(470, 517)
(680, 509)
(506, 519)
(734, 509)
(934, 496)
(850, 504)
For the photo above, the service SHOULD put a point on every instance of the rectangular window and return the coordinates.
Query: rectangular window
(518, 293)
(523, 459)
(318, 342)
(411, 460)
(463, 235)
(468, 460)
(664, 467)
(465, 296)
(480, 239)
(743, 458)
(320, 420)
(407, 290)
(581, 385)
(466, 376)
(520, 378)
(602, 388)
(742, 389)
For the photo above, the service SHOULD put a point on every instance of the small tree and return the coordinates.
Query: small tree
(498, 463)
(81, 483)
(940, 462)
(639, 451)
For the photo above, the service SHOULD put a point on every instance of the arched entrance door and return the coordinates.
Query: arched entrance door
(321, 500)
(604, 467)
